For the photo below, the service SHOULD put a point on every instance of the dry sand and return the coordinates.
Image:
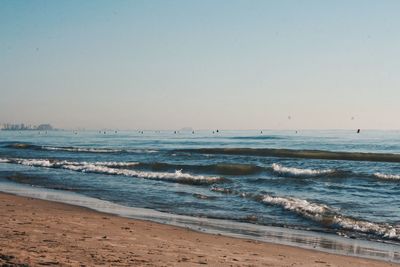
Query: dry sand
(36, 233)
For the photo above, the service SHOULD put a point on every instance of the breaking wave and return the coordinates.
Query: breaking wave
(103, 163)
(380, 229)
(106, 168)
(300, 206)
(82, 149)
(321, 213)
(387, 176)
(298, 172)
(328, 216)
(305, 154)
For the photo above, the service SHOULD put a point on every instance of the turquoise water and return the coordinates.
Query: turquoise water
(332, 182)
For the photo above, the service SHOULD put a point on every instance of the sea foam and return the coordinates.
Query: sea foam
(300, 206)
(320, 213)
(328, 216)
(298, 172)
(387, 176)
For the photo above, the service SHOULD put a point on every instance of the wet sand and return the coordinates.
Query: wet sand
(42, 233)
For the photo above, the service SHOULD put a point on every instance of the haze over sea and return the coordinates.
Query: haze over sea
(336, 182)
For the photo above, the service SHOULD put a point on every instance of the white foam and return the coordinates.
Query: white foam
(323, 213)
(387, 176)
(116, 164)
(177, 175)
(4, 160)
(34, 162)
(297, 171)
(105, 168)
(384, 230)
(300, 206)
(102, 163)
(82, 149)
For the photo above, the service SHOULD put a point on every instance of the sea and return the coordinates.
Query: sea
(335, 191)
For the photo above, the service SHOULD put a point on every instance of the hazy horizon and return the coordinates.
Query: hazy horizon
(203, 64)
(190, 129)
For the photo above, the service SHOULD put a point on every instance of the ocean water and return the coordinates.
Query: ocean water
(337, 183)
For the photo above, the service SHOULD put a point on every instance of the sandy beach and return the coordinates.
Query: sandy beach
(42, 233)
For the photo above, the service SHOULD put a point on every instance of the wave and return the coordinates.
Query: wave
(387, 176)
(79, 149)
(321, 213)
(106, 168)
(300, 206)
(104, 163)
(328, 216)
(299, 172)
(290, 171)
(305, 154)
(379, 229)
(212, 169)
(82, 149)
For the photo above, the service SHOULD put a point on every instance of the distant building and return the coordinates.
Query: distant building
(24, 127)
(15, 127)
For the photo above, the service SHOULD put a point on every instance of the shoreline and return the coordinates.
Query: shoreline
(38, 232)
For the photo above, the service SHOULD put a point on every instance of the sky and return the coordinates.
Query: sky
(210, 64)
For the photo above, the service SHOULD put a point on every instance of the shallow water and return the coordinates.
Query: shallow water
(331, 182)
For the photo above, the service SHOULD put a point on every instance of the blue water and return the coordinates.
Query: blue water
(217, 175)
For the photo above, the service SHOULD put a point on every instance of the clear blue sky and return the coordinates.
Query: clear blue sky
(205, 64)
